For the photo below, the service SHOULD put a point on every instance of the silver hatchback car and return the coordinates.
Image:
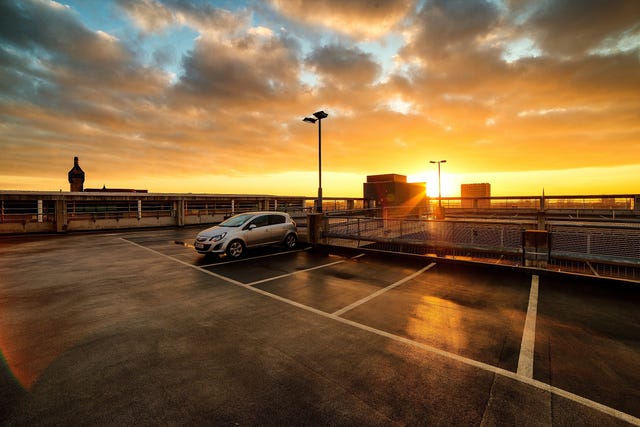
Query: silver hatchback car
(248, 230)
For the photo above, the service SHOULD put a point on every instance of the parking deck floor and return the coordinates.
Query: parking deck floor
(136, 328)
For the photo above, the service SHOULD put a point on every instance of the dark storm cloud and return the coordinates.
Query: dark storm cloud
(344, 65)
(53, 35)
(33, 40)
(248, 70)
(446, 26)
(570, 27)
(51, 48)
(33, 25)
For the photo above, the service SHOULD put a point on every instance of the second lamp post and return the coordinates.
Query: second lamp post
(439, 187)
(318, 116)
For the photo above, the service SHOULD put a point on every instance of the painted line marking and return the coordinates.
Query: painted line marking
(257, 282)
(383, 290)
(235, 261)
(218, 276)
(525, 360)
(474, 363)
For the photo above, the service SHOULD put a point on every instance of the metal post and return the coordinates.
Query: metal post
(440, 213)
(439, 188)
(320, 165)
(40, 211)
(318, 116)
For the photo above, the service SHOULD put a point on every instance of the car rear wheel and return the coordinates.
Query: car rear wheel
(235, 249)
(290, 241)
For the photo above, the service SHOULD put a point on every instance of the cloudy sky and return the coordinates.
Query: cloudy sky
(208, 96)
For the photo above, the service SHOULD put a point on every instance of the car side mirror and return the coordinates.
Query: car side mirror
(252, 226)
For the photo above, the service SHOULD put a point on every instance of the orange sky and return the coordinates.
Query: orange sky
(208, 97)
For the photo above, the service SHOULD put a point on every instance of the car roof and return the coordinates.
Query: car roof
(263, 213)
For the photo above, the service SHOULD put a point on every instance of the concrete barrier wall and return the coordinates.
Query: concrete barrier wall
(115, 223)
(204, 219)
(27, 227)
(47, 212)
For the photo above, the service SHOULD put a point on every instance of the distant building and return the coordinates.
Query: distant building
(475, 190)
(76, 179)
(104, 189)
(393, 190)
(76, 176)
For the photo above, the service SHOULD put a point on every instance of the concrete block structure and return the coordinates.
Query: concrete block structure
(475, 190)
(393, 191)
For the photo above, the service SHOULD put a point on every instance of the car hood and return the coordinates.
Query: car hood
(212, 231)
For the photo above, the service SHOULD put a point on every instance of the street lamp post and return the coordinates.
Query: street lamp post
(318, 116)
(439, 187)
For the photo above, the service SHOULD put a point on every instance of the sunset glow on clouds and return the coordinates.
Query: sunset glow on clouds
(209, 96)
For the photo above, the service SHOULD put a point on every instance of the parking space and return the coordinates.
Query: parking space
(469, 311)
(588, 338)
(472, 312)
(336, 283)
(266, 264)
(392, 339)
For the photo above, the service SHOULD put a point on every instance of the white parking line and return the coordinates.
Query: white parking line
(525, 361)
(295, 272)
(382, 291)
(474, 363)
(255, 257)
(226, 279)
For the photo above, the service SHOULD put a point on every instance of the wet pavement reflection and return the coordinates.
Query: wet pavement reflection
(137, 328)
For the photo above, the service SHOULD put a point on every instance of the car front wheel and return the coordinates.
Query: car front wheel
(235, 249)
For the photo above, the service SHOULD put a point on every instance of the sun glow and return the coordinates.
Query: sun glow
(450, 184)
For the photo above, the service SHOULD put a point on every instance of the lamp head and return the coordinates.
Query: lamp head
(320, 115)
(309, 119)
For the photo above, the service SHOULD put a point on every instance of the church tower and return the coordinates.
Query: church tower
(76, 176)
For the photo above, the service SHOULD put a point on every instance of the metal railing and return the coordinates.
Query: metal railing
(469, 235)
(31, 211)
(600, 249)
(596, 243)
(581, 202)
(26, 211)
(598, 207)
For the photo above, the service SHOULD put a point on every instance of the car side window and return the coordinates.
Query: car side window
(260, 221)
(276, 219)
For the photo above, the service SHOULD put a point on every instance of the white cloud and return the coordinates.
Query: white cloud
(400, 106)
(519, 49)
(261, 31)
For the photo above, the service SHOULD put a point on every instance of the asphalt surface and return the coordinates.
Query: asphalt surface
(135, 328)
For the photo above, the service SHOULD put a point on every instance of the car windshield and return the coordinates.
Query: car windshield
(236, 221)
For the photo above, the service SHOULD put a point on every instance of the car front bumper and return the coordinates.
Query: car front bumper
(209, 247)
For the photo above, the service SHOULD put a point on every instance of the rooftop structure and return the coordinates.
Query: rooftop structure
(393, 190)
(76, 177)
(475, 190)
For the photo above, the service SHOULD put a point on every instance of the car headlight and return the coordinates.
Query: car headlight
(218, 237)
